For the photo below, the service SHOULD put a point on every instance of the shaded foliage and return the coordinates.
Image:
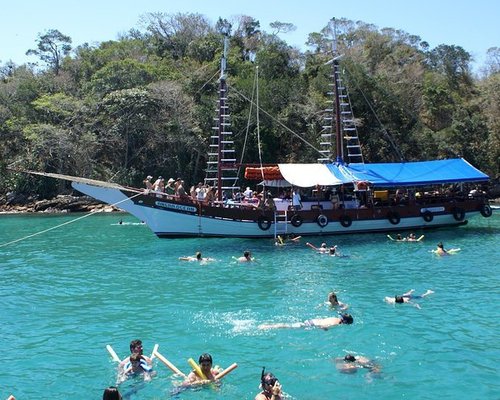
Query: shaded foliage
(144, 104)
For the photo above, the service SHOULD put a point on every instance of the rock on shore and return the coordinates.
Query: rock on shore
(13, 203)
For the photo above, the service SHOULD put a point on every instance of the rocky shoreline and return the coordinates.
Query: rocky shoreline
(14, 204)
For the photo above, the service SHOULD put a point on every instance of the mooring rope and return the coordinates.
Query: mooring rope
(65, 223)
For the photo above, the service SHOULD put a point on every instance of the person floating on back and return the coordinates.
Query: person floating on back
(407, 298)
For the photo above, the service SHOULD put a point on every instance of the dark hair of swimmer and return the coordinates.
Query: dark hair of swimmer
(205, 357)
(346, 319)
(246, 254)
(350, 358)
(136, 344)
(267, 378)
(198, 255)
(440, 245)
(332, 298)
(332, 250)
(111, 393)
(399, 299)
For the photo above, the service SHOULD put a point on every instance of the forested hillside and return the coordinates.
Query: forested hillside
(144, 104)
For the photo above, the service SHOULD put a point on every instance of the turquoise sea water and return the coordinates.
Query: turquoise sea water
(69, 292)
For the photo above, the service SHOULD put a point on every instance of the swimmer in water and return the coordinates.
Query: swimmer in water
(407, 297)
(205, 362)
(110, 393)
(135, 347)
(333, 302)
(197, 257)
(247, 257)
(321, 249)
(322, 323)
(350, 364)
(440, 251)
(271, 387)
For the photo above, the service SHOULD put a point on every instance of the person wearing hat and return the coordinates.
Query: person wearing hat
(147, 182)
(170, 189)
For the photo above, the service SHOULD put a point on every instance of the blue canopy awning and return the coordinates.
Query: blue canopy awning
(412, 173)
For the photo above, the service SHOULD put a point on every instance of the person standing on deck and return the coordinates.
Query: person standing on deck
(296, 199)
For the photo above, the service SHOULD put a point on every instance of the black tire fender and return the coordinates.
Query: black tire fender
(322, 220)
(345, 221)
(427, 216)
(486, 210)
(393, 217)
(264, 223)
(458, 214)
(296, 220)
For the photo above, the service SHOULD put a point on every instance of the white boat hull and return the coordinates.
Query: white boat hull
(171, 220)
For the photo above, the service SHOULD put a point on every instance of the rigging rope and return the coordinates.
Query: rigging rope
(65, 223)
(384, 130)
(279, 122)
(259, 143)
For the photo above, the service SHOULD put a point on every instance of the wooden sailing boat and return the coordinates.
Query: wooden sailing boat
(350, 197)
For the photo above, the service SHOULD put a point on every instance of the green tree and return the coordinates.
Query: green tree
(52, 47)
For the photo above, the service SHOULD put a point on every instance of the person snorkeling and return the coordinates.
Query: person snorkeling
(271, 387)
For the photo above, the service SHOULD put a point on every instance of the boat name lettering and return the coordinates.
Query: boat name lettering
(175, 206)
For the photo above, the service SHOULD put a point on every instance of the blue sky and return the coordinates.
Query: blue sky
(474, 25)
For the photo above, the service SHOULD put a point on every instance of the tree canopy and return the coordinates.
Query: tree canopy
(144, 104)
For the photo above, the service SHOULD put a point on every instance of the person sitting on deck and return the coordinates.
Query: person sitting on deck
(179, 189)
(159, 185)
(170, 189)
(200, 192)
(209, 195)
(147, 182)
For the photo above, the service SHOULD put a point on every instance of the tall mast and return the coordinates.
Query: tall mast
(221, 165)
(222, 114)
(340, 110)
